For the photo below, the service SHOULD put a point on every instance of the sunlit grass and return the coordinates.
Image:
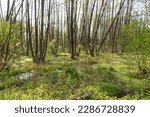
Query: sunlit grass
(107, 76)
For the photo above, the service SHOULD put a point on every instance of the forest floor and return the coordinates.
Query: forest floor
(108, 76)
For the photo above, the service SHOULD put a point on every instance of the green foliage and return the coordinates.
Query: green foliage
(72, 76)
(136, 40)
(111, 89)
(89, 93)
(106, 75)
(61, 79)
(53, 47)
(9, 41)
(72, 72)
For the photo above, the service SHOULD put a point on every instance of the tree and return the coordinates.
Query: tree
(9, 36)
(38, 35)
(71, 10)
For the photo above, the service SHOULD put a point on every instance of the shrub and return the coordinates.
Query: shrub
(111, 89)
(71, 76)
(135, 40)
(9, 43)
(53, 47)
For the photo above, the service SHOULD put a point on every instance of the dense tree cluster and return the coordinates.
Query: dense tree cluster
(92, 26)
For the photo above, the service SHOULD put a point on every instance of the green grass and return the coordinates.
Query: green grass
(108, 76)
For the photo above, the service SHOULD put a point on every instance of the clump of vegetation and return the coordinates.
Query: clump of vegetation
(53, 47)
(135, 39)
(9, 43)
(72, 76)
(91, 93)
